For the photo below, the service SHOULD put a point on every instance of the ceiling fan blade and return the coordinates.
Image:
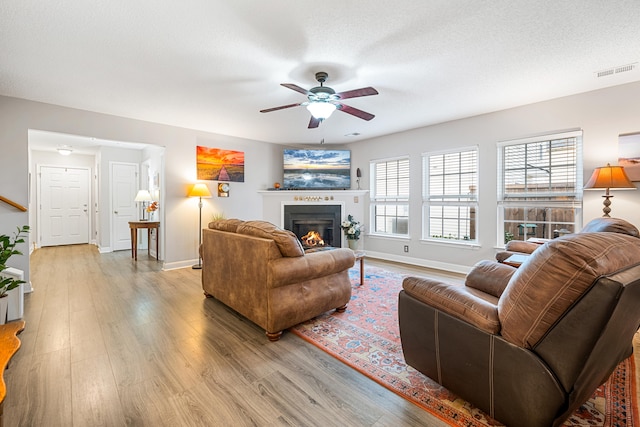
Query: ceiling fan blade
(295, 87)
(282, 107)
(314, 123)
(365, 91)
(355, 112)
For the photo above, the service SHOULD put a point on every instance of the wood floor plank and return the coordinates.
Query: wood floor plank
(95, 397)
(47, 398)
(146, 403)
(85, 335)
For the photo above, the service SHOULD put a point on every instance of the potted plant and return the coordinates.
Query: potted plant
(7, 250)
(351, 229)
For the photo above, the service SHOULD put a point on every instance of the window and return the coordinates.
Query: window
(390, 197)
(450, 195)
(539, 187)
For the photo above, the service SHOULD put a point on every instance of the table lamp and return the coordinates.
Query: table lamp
(609, 177)
(143, 196)
(199, 190)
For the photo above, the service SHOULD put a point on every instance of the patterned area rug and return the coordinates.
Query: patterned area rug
(366, 337)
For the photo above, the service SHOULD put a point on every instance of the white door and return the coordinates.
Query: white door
(64, 205)
(124, 186)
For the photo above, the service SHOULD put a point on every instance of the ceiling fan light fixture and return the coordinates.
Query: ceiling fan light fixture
(321, 110)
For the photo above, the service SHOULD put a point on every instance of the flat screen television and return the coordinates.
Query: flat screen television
(317, 169)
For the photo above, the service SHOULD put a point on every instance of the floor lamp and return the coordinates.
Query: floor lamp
(609, 177)
(201, 191)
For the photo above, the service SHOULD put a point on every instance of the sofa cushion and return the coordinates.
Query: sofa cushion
(286, 240)
(555, 277)
(229, 225)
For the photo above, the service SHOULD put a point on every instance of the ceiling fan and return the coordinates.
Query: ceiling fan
(322, 101)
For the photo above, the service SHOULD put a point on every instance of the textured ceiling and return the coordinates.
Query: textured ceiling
(213, 64)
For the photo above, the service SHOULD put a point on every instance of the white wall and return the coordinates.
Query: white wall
(602, 115)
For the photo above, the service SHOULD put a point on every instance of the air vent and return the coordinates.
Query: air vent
(624, 68)
(604, 73)
(616, 70)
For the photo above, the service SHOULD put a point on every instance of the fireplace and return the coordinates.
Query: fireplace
(322, 219)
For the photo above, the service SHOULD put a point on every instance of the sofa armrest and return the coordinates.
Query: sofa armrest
(456, 301)
(285, 271)
(490, 277)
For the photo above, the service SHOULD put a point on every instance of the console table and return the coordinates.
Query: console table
(149, 225)
(9, 344)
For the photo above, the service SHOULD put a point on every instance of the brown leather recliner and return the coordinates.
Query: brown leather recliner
(528, 346)
(262, 272)
(614, 225)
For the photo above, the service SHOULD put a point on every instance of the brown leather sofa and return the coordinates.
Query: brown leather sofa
(263, 273)
(528, 346)
(614, 225)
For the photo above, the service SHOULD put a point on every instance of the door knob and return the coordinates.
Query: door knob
(115, 212)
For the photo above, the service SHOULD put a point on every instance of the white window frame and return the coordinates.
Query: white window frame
(399, 226)
(540, 200)
(463, 198)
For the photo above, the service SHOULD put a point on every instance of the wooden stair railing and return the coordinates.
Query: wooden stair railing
(14, 204)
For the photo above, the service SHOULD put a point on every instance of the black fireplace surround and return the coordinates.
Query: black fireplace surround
(324, 219)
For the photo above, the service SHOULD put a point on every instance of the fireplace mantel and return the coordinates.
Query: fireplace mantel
(273, 202)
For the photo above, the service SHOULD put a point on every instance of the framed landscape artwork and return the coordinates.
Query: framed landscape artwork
(629, 154)
(216, 164)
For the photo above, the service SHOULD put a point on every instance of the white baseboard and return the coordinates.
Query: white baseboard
(179, 264)
(445, 266)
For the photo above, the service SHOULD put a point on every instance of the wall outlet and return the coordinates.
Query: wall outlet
(406, 248)
(355, 199)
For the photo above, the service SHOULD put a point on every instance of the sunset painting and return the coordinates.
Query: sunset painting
(215, 164)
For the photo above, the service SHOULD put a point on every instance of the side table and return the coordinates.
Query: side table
(360, 257)
(149, 225)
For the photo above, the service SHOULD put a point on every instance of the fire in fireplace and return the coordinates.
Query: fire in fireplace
(323, 220)
(312, 239)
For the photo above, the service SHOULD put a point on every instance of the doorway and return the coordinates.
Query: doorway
(96, 156)
(124, 186)
(63, 211)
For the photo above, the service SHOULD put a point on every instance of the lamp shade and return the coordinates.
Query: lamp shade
(199, 190)
(320, 109)
(609, 177)
(143, 196)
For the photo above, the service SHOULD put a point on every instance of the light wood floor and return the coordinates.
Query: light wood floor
(110, 341)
